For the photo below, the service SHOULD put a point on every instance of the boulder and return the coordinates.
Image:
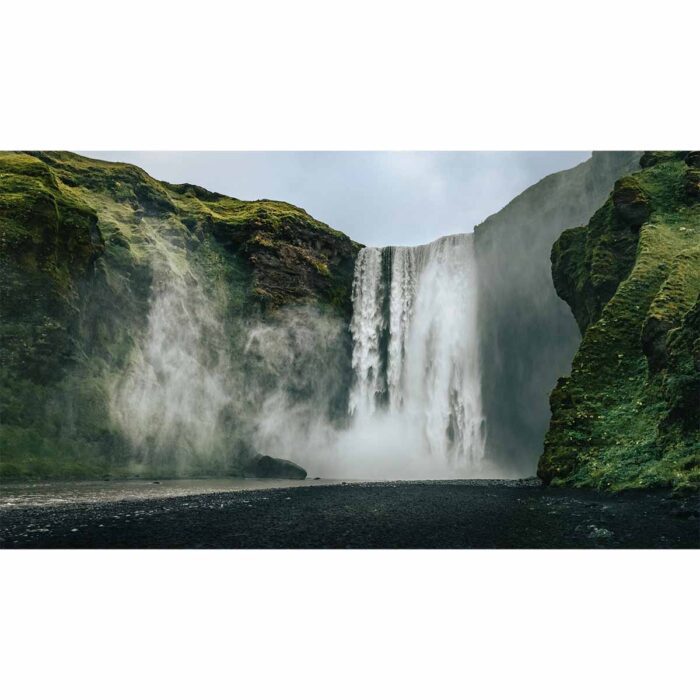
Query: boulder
(266, 467)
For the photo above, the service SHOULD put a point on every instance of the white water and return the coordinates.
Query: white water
(415, 354)
(415, 403)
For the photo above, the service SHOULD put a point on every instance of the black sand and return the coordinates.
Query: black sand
(447, 514)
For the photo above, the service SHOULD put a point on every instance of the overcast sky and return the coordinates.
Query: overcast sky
(377, 198)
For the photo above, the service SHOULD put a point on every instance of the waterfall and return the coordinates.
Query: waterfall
(413, 409)
(415, 353)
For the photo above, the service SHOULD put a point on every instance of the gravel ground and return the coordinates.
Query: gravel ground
(428, 514)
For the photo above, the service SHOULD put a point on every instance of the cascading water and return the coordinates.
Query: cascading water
(187, 397)
(415, 354)
(414, 408)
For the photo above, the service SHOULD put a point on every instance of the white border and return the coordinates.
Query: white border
(349, 625)
(370, 75)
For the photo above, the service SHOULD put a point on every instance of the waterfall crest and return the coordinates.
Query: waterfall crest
(415, 351)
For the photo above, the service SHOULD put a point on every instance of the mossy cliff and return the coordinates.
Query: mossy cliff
(629, 414)
(77, 242)
(527, 334)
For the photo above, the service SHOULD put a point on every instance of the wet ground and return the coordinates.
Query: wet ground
(437, 514)
(56, 493)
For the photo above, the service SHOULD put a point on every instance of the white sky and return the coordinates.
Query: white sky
(376, 197)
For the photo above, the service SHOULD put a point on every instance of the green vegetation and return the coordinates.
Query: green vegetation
(76, 241)
(527, 335)
(629, 414)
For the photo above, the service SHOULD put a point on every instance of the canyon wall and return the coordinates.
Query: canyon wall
(527, 334)
(629, 413)
(149, 328)
(118, 290)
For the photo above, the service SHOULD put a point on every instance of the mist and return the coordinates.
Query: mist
(171, 401)
(394, 395)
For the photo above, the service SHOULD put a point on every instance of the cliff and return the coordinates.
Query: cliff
(80, 243)
(629, 413)
(527, 335)
(155, 328)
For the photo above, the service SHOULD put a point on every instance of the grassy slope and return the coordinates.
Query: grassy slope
(629, 414)
(75, 235)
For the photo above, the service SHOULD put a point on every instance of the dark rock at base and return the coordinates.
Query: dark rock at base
(266, 467)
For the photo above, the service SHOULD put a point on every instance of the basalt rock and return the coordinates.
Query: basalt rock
(266, 467)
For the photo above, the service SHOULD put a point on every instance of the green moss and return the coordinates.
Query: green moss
(628, 415)
(76, 240)
(322, 267)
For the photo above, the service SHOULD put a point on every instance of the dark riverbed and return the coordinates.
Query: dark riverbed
(437, 514)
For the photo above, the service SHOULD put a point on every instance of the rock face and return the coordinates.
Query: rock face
(629, 413)
(49, 239)
(631, 202)
(527, 335)
(266, 467)
(77, 278)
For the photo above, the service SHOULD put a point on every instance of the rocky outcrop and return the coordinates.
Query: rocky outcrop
(630, 202)
(293, 258)
(606, 248)
(266, 467)
(629, 413)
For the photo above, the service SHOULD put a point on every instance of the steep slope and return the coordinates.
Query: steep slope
(87, 248)
(527, 335)
(629, 413)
